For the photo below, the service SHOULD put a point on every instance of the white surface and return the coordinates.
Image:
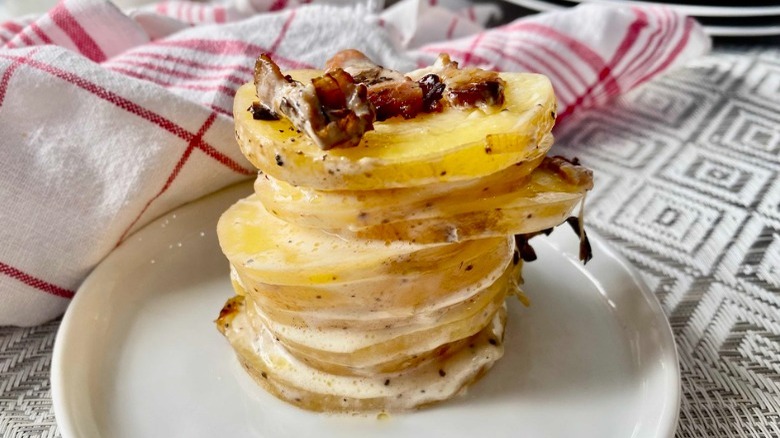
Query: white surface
(137, 354)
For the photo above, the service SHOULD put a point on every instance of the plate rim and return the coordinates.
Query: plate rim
(666, 329)
(69, 426)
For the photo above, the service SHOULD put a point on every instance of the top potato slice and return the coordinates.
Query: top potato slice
(453, 145)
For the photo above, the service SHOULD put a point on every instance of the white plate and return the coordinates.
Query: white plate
(137, 354)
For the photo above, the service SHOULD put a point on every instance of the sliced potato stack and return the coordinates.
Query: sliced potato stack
(374, 277)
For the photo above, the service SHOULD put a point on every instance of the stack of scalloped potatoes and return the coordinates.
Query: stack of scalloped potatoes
(374, 277)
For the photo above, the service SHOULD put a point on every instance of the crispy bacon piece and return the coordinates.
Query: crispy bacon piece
(391, 93)
(569, 170)
(362, 68)
(422, 91)
(403, 98)
(433, 89)
(333, 110)
(466, 87)
(336, 109)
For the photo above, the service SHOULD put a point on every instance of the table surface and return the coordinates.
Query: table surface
(688, 189)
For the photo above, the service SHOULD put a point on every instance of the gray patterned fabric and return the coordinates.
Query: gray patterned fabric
(25, 398)
(688, 188)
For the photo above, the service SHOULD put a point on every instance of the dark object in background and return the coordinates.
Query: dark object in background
(761, 21)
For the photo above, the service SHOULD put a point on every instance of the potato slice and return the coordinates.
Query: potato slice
(354, 209)
(389, 348)
(392, 299)
(454, 145)
(278, 371)
(265, 249)
(508, 202)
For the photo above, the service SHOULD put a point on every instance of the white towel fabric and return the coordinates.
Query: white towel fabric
(110, 119)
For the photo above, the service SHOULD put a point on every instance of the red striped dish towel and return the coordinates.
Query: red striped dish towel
(110, 118)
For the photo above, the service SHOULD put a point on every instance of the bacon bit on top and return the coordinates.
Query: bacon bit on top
(333, 110)
(467, 87)
(337, 108)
